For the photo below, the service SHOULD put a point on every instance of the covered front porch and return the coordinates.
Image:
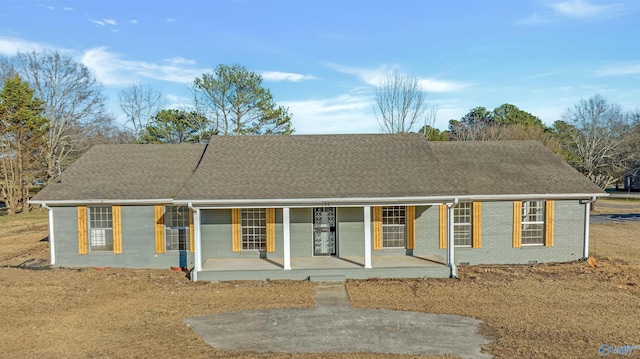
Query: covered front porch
(319, 242)
(323, 268)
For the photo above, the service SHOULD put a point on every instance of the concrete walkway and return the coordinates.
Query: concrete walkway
(335, 326)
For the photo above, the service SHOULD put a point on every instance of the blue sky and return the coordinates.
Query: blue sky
(322, 59)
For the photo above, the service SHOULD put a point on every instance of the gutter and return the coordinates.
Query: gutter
(450, 239)
(197, 251)
(360, 201)
(587, 215)
(105, 201)
(52, 246)
(306, 202)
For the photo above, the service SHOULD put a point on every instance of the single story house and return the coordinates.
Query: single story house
(318, 207)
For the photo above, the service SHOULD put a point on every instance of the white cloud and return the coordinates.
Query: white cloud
(134, 21)
(285, 76)
(67, 8)
(104, 22)
(371, 77)
(11, 46)
(583, 9)
(433, 85)
(347, 113)
(375, 76)
(180, 61)
(627, 69)
(51, 8)
(170, 21)
(178, 102)
(111, 69)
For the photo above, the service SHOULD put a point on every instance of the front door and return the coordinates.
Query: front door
(324, 231)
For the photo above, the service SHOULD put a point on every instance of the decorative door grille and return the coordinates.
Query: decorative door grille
(324, 231)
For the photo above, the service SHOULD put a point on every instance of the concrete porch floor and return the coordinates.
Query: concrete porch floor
(261, 264)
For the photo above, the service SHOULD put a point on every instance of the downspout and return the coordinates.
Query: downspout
(587, 215)
(52, 245)
(197, 251)
(450, 239)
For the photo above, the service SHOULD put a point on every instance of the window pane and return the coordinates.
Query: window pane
(176, 224)
(462, 224)
(254, 228)
(100, 231)
(533, 222)
(393, 226)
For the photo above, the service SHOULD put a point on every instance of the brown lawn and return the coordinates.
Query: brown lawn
(544, 311)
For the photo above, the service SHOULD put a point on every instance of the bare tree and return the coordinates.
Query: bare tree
(140, 103)
(73, 102)
(598, 138)
(477, 125)
(400, 104)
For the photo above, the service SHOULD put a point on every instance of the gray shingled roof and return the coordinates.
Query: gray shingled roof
(510, 168)
(317, 167)
(126, 172)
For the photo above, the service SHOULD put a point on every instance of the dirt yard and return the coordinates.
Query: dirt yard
(542, 311)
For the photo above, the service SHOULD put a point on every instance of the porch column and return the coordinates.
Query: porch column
(286, 247)
(52, 242)
(587, 214)
(197, 251)
(450, 240)
(367, 236)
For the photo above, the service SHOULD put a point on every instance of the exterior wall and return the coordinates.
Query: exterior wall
(301, 232)
(350, 231)
(138, 242)
(215, 236)
(428, 232)
(497, 229)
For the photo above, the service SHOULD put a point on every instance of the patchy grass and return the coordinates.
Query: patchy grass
(544, 311)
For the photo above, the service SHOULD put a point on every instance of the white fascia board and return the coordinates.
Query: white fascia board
(79, 202)
(379, 201)
(322, 202)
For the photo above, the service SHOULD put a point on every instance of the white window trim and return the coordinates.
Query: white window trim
(404, 226)
(525, 204)
(90, 230)
(264, 229)
(168, 226)
(470, 225)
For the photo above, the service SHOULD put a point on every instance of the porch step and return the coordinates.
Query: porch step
(328, 278)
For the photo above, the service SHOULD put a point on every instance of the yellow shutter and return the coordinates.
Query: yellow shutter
(191, 234)
(82, 230)
(476, 225)
(235, 230)
(377, 227)
(271, 229)
(410, 214)
(517, 224)
(158, 215)
(443, 226)
(548, 223)
(116, 222)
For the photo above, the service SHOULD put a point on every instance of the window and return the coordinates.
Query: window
(100, 229)
(533, 222)
(176, 222)
(462, 225)
(254, 228)
(393, 226)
